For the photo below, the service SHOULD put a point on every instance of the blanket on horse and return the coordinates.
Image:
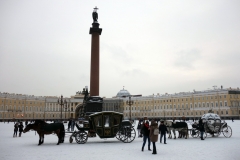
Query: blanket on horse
(51, 127)
(179, 125)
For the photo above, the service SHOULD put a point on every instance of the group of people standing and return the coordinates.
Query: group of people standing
(71, 124)
(150, 133)
(18, 126)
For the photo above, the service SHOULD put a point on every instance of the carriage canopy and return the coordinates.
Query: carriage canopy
(106, 123)
(213, 122)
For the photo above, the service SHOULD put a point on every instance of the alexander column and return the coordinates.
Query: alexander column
(95, 31)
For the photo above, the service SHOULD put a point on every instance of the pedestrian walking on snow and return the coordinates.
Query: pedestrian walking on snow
(163, 130)
(154, 135)
(145, 130)
(139, 129)
(72, 125)
(69, 124)
(20, 126)
(15, 130)
(201, 128)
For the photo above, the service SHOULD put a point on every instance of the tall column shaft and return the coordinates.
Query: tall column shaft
(94, 75)
(95, 31)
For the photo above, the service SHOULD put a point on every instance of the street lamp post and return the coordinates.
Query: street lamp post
(66, 107)
(61, 102)
(130, 103)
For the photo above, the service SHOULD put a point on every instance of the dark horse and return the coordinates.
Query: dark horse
(45, 128)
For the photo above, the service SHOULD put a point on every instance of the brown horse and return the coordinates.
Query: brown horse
(45, 128)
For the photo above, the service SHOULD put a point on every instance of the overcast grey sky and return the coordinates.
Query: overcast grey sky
(156, 46)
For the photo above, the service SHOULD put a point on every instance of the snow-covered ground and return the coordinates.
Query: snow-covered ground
(25, 147)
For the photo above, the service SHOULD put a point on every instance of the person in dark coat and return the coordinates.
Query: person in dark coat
(69, 124)
(26, 122)
(20, 126)
(15, 130)
(201, 128)
(139, 129)
(153, 137)
(72, 125)
(163, 130)
(145, 130)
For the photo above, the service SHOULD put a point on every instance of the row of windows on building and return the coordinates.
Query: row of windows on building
(35, 103)
(200, 113)
(33, 108)
(182, 99)
(186, 106)
(35, 116)
(22, 102)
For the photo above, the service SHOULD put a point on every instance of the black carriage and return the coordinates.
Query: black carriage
(213, 126)
(105, 124)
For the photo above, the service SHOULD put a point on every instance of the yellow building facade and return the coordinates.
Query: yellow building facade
(224, 102)
(29, 107)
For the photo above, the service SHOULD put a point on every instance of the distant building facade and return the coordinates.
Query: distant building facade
(19, 106)
(224, 102)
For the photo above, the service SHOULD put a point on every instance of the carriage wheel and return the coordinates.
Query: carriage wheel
(81, 137)
(119, 135)
(129, 135)
(196, 134)
(227, 131)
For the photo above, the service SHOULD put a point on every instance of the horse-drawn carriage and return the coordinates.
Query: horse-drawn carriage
(105, 124)
(213, 125)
